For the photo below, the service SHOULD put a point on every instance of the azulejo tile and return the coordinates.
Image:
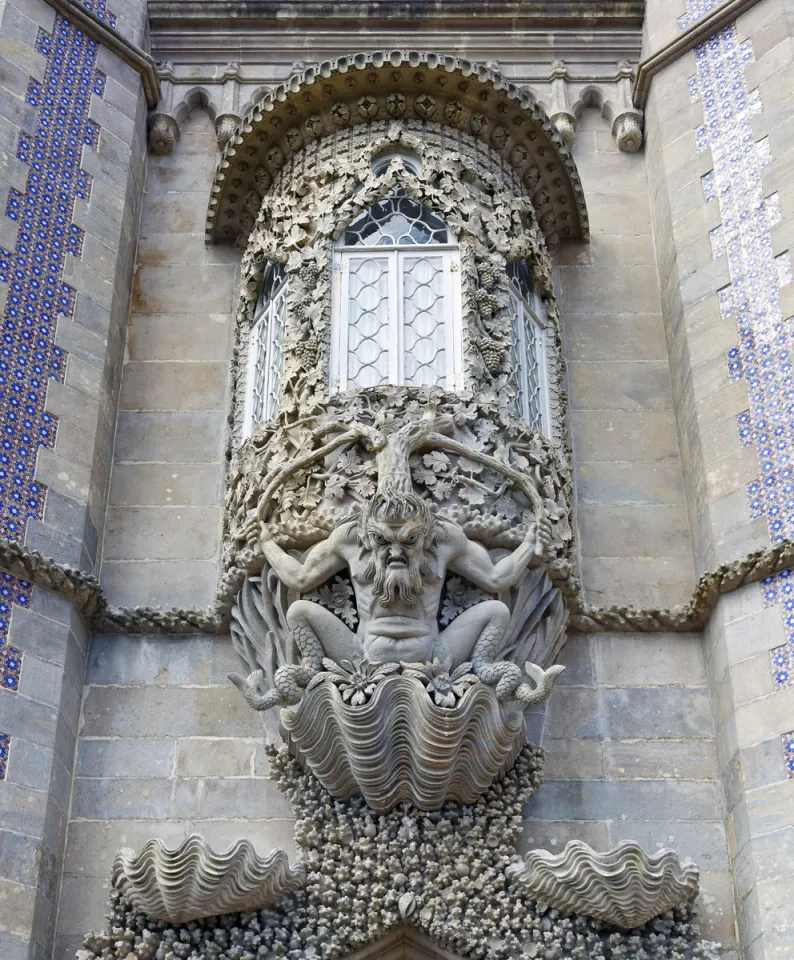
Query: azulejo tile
(788, 753)
(37, 294)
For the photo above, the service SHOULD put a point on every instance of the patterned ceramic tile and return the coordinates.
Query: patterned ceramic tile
(5, 744)
(37, 295)
(788, 753)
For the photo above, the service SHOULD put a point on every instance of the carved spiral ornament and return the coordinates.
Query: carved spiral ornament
(624, 886)
(400, 746)
(193, 881)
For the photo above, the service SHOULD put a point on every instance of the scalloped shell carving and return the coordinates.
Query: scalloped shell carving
(193, 881)
(400, 746)
(623, 886)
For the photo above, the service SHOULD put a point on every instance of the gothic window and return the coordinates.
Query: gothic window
(396, 300)
(529, 351)
(266, 349)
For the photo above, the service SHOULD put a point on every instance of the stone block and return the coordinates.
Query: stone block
(583, 289)
(17, 904)
(75, 444)
(30, 765)
(627, 436)
(577, 660)
(703, 841)
(763, 764)
(656, 483)
(22, 810)
(168, 712)
(764, 718)
(31, 719)
(157, 484)
(615, 337)
(215, 758)
(83, 904)
(573, 760)
(41, 680)
(130, 759)
(14, 948)
(639, 581)
(158, 583)
(162, 533)
(138, 660)
(202, 337)
(769, 808)
(755, 634)
(574, 713)
(660, 760)
(620, 386)
(649, 659)
(174, 386)
(637, 530)
(656, 713)
(176, 289)
(170, 437)
(209, 799)
(751, 679)
(224, 660)
(67, 403)
(555, 834)
(39, 635)
(633, 800)
(121, 799)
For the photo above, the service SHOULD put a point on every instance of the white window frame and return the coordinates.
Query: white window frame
(396, 255)
(532, 311)
(262, 338)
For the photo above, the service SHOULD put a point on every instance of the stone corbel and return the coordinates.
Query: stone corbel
(627, 121)
(560, 113)
(163, 133)
(225, 126)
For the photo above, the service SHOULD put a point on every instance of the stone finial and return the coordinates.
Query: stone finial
(225, 126)
(163, 133)
(560, 112)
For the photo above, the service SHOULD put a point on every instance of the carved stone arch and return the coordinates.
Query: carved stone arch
(591, 96)
(403, 943)
(195, 98)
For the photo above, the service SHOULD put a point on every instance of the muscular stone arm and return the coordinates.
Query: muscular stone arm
(321, 562)
(472, 560)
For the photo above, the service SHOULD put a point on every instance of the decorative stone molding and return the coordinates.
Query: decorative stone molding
(163, 133)
(101, 31)
(627, 131)
(560, 112)
(225, 126)
(369, 876)
(192, 881)
(624, 886)
(445, 90)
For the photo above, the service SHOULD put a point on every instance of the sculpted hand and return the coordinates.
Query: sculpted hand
(539, 536)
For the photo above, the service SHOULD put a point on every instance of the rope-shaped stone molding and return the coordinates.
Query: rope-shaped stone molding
(89, 599)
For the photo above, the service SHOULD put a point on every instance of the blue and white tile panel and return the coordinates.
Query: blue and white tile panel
(762, 356)
(37, 295)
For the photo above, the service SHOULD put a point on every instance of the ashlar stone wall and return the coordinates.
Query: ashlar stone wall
(162, 543)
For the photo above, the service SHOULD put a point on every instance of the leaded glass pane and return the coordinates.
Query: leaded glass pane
(368, 322)
(267, 346)
(396, 220)
(527, 355)
(424, 331)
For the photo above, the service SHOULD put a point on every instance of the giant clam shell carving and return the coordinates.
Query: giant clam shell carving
(624, 886)
(400, 746)
(193, 881)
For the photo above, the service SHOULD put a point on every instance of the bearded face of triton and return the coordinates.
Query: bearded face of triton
(399, 533)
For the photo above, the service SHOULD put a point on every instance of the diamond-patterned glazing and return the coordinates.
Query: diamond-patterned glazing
(396, 219)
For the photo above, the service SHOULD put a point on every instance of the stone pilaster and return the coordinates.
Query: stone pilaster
(718, 142)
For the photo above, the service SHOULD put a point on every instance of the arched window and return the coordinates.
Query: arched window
(529, 351)
(266, 349)
(397, 312)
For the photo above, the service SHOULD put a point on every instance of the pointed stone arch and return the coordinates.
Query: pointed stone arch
(403, 943)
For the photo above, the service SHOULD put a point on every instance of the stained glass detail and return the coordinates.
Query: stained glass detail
(424, 310)
(368, 322)
(396, 220)
(267, 347)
